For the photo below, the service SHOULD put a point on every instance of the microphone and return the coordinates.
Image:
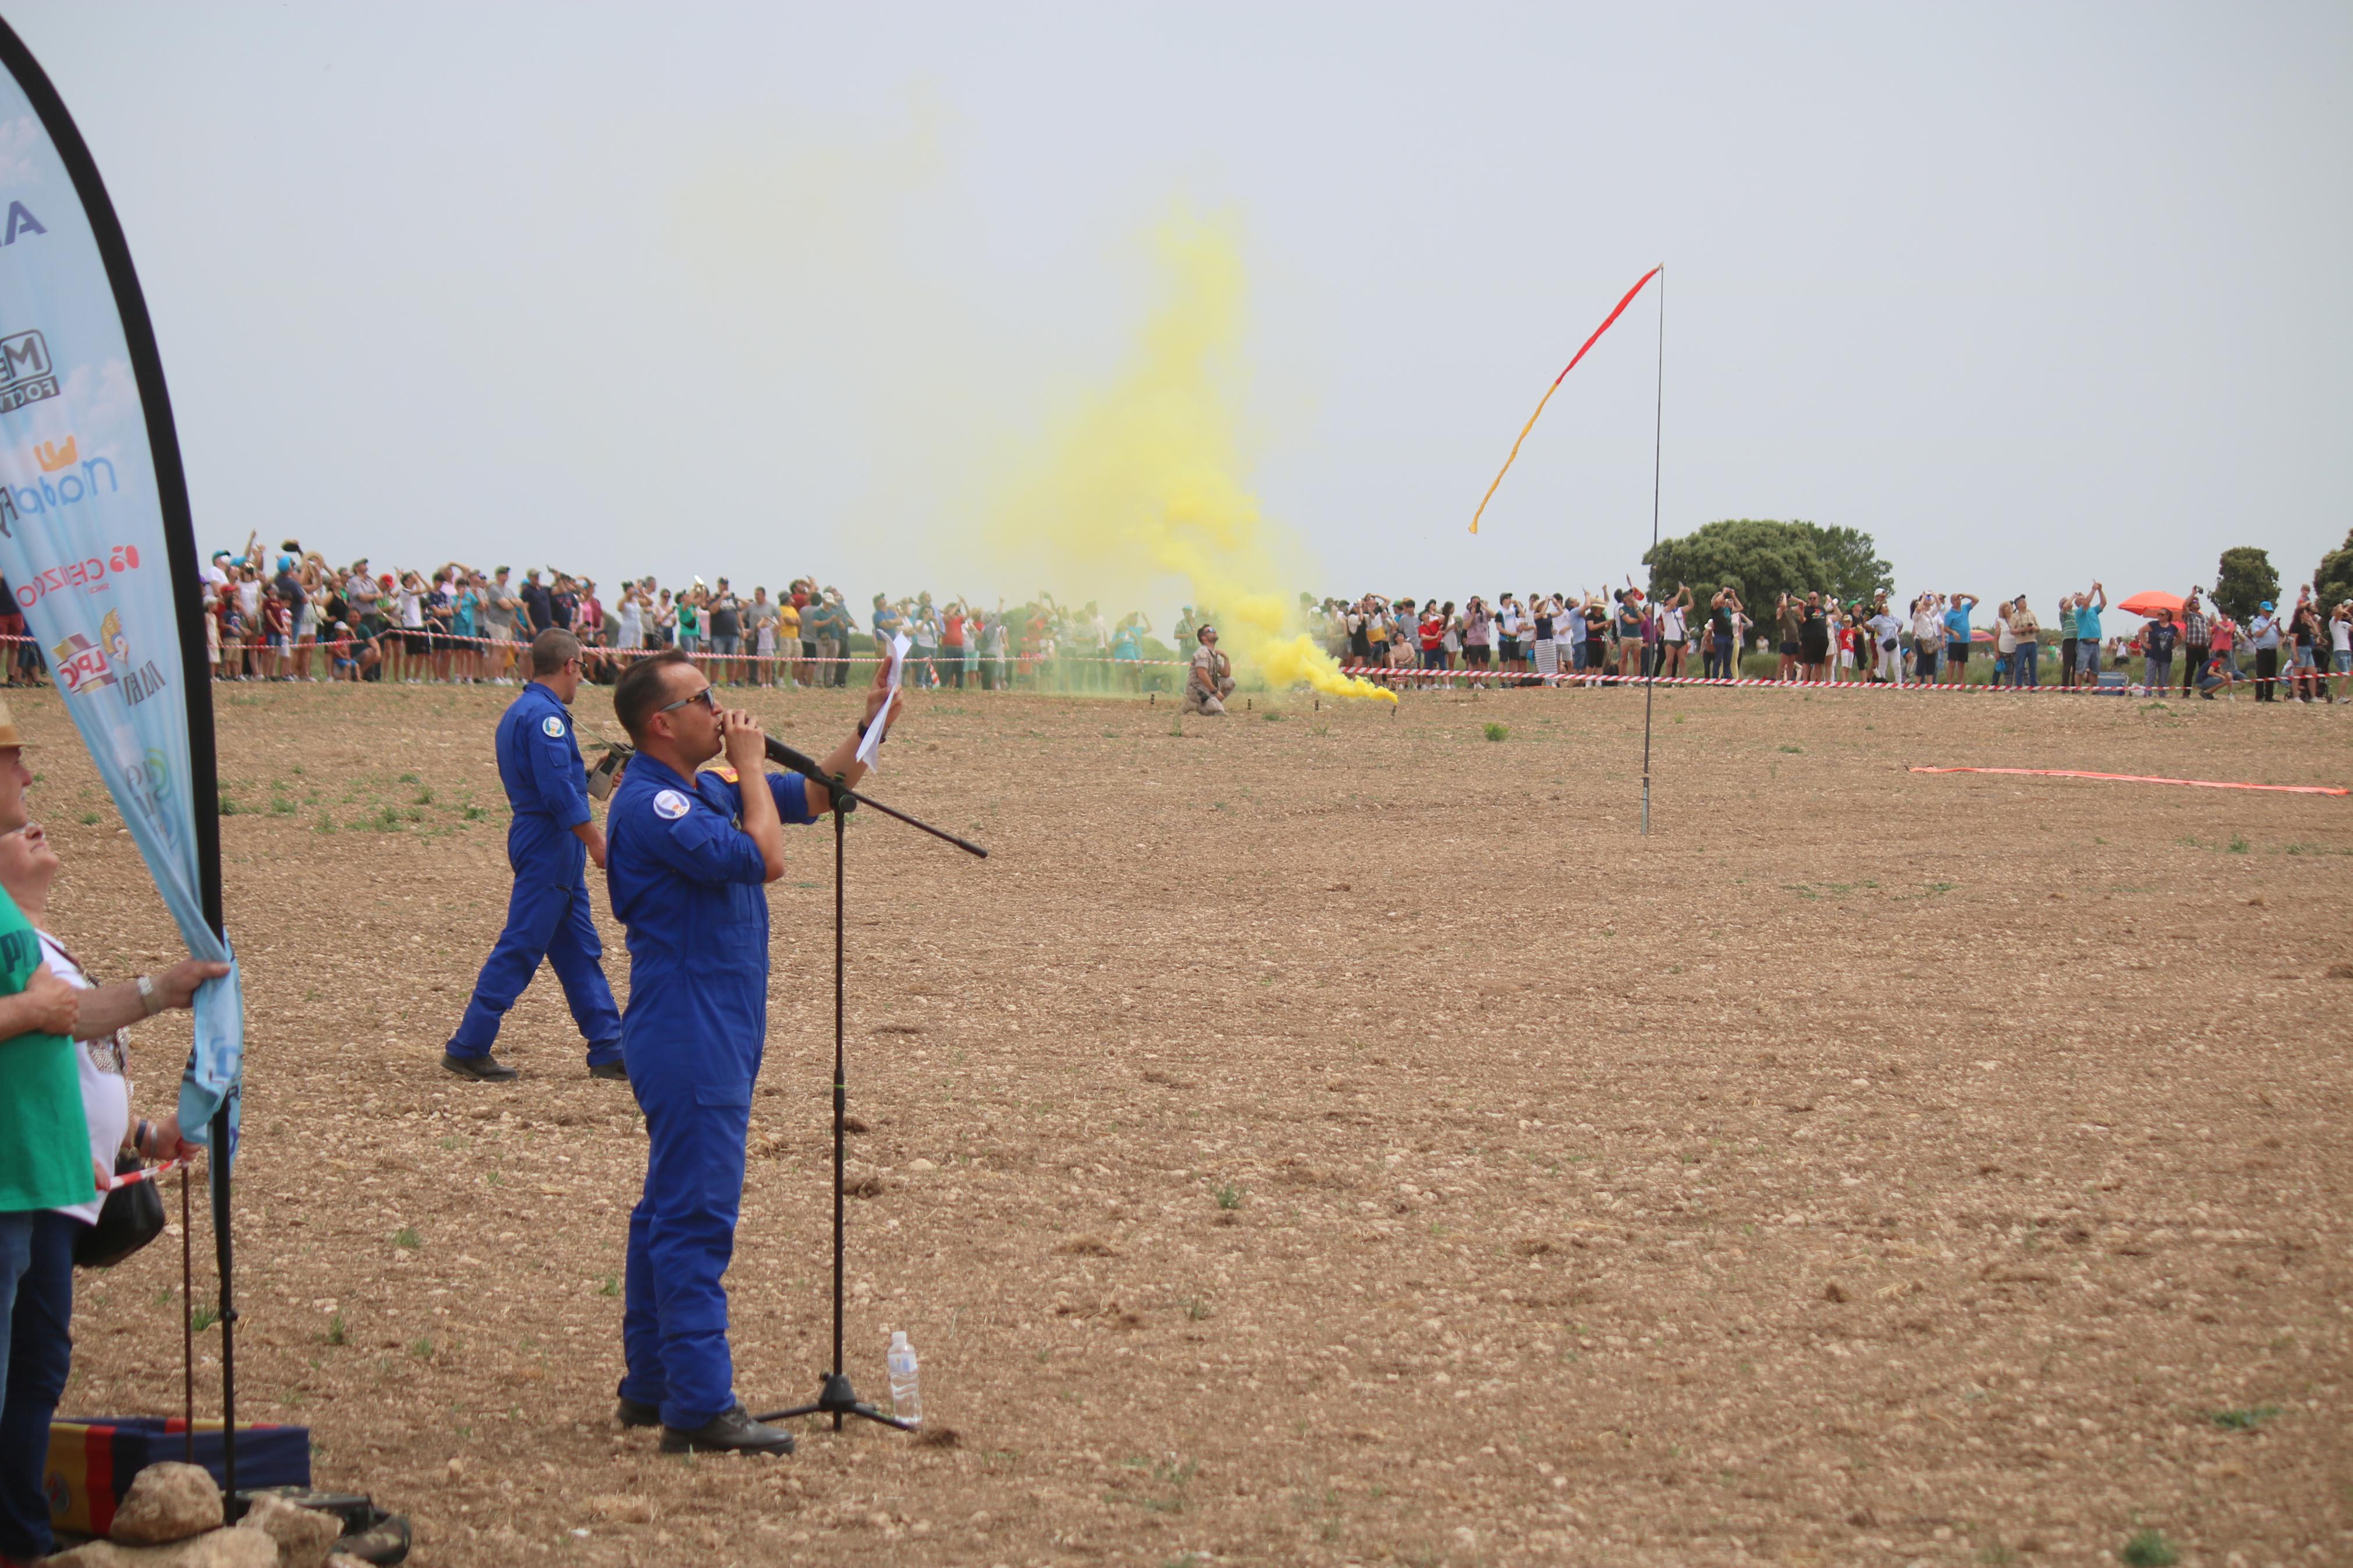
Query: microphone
(799, 761)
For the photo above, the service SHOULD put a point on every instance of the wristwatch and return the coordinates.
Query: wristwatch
(151, 1001)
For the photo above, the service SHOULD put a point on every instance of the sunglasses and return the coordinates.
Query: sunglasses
(702, 696)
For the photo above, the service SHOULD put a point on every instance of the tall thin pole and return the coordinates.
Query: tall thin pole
(841, 1085)
(1658, 428)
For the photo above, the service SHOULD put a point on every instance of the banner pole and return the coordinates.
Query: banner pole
(1658, 428)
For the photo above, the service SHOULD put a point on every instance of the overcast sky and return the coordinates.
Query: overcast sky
(2034, 294)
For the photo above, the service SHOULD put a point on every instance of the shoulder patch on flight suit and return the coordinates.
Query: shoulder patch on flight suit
(553, 727)
(669, 805)
(726, 772)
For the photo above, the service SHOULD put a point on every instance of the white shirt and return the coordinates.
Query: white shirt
(411, 616)
(1671, 624)
(105, 1091)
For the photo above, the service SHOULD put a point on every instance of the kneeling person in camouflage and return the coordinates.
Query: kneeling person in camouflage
(1210, 680)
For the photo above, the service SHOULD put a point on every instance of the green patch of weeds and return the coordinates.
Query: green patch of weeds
(610, 1285)
(1494, 731)
(229, 807)
(2148, 1549)
(91, 819)
(424, 796)
(410, 778)
(2243, 1420)
(203, 1317)
(2237, 845)
(1795, 750)
(336, 1333)
(1230, 1197)
(421, 1347)
(281, 807)
(473, 814)
(406, 1236)
(326, 824)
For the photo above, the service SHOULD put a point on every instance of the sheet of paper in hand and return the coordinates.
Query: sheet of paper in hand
(872, 741)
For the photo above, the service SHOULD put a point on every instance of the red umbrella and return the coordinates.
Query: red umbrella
(2153, 607)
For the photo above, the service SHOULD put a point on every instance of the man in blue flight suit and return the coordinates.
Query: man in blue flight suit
(691, 854)
(552, 837)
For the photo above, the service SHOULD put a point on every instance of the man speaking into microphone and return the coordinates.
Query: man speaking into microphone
(689, 855)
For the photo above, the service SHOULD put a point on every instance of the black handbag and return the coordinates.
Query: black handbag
(130, 1217)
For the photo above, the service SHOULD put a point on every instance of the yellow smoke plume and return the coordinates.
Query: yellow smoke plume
(1141, 486)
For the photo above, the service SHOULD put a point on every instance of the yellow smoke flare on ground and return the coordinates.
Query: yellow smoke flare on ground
(1141, 488)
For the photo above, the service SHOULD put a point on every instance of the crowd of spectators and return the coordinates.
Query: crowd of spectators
(1627, 635)
(298, 618)
(289, 615)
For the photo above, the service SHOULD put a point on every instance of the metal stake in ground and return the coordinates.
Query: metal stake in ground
(1658, 427)
(836, 1398)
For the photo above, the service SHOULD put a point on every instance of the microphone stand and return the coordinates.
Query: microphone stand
(836, 1398)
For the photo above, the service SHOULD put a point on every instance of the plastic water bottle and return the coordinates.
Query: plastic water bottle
(906, 1396)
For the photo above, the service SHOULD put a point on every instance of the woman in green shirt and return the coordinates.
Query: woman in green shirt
(45, 1160)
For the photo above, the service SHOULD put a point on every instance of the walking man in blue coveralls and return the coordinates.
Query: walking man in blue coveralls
(691, 857)
(551, 841)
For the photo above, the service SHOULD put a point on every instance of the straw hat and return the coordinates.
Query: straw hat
(9, 735)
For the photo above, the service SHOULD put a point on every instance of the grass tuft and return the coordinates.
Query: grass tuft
(1498, 732)
(2149, 1549)
(2243, 1420)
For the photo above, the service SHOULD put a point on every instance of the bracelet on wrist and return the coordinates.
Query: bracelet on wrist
(151, 1001)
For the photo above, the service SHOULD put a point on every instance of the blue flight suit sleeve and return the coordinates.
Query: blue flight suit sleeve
(791, 793)
(706, 847)
(557, 769)
(709, 847)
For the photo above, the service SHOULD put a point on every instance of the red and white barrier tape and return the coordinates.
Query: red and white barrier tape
(1409, 673)
(1030, 661)
(150, 1173)
(2142, 778)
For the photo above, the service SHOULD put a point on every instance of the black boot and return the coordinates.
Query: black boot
(635, 1413)
(733, 1433)
(484, 1069)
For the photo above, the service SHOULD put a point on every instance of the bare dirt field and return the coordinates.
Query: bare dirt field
(1339, 1138)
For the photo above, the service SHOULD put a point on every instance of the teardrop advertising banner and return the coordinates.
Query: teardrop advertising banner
(96, 543)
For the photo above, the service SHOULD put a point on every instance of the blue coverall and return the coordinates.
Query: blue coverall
(547, 916)
(690, 886)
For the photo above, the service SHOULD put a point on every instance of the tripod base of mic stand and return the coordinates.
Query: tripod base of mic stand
(838, 1399)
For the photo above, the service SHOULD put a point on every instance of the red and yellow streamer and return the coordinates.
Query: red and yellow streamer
(1531, 425)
